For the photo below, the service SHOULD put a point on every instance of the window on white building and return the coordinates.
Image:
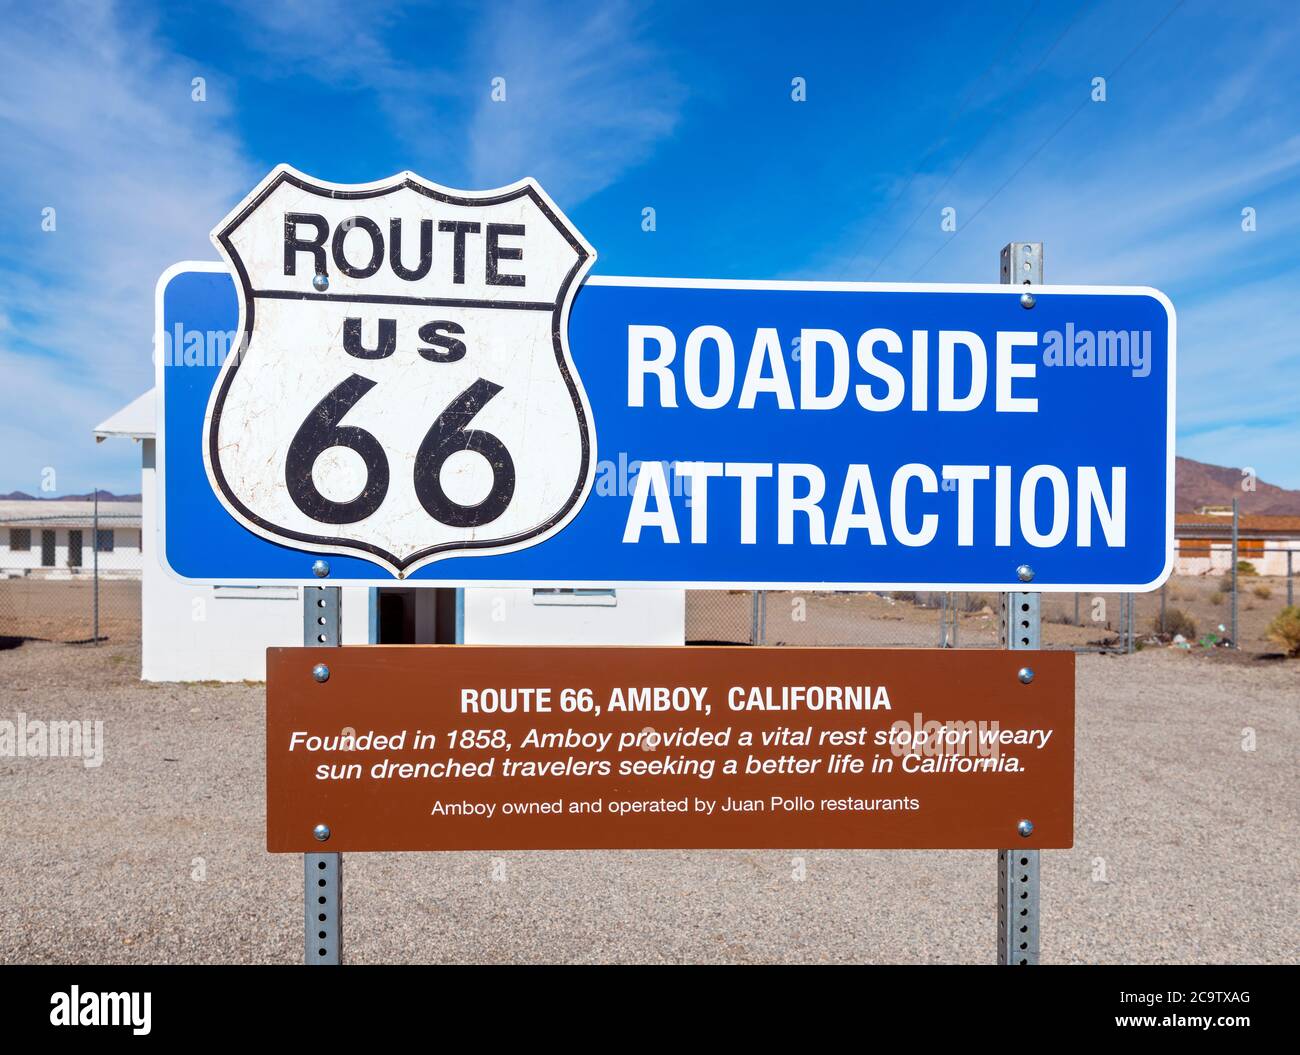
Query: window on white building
(593, 597)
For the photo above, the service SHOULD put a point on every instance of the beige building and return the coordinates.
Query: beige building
(1204, 542)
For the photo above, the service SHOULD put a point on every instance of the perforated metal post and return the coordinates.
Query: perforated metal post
(322, 898)
(322, 874)
(1018, 906)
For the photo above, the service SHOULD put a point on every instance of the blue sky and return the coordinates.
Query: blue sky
(685, 108)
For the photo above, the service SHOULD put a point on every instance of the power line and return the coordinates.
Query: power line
(952, 121)
(1038, 149)
(980, 139)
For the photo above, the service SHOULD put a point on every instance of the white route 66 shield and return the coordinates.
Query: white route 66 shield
(403, 390)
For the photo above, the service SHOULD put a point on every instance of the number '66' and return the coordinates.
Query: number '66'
(446, 436)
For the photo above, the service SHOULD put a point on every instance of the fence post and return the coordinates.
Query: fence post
(94, 564)
(1290, 595)
(1018, 905)
(322, 874)
(1235, 517)
(1163, 586)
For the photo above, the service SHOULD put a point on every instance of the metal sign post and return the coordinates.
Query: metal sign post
(94, 557)
(1018, 903)
(322, 873)
(1236, 560)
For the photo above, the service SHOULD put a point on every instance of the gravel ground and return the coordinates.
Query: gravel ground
(1185, 847)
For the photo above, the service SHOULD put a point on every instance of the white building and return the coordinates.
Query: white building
(60, 539)
(221, 633)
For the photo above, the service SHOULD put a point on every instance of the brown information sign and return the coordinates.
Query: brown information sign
(453, 747)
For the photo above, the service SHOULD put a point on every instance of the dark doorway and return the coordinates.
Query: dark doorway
(47, 549)
(74, 549)
(411, 616)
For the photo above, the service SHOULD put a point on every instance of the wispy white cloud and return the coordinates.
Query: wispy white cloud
(98, 124)
(586, 99)
(357, 49)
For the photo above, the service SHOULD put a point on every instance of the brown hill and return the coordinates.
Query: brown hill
(1197, 484)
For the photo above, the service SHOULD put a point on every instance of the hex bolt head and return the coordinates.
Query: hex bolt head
(320, 283)
(1025, 828)
(1027, 300)
(320, 569)
(1025, 573)
(320, 672)
(322, 832)
(1026, 675)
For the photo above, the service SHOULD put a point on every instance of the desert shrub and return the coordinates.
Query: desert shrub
(1176, 622)
(1216, 598)
(1244, 567)
(975, 602)
(1284, 630)
(1225, 584)
(1262, 592)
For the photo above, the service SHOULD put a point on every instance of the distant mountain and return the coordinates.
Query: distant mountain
(1198, 484)
(104, 496)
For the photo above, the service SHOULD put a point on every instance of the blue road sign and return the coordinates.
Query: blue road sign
(737, 434)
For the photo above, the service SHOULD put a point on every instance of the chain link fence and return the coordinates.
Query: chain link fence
(888, 620)
(1198, 611)
(69, 581)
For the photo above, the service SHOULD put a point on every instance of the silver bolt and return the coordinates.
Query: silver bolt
(1025, 828)
(321, 283)
(322, 832)
(320, 672)
(1026, 675)
(1025, 573)
(1027, 300)
(320, 569)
